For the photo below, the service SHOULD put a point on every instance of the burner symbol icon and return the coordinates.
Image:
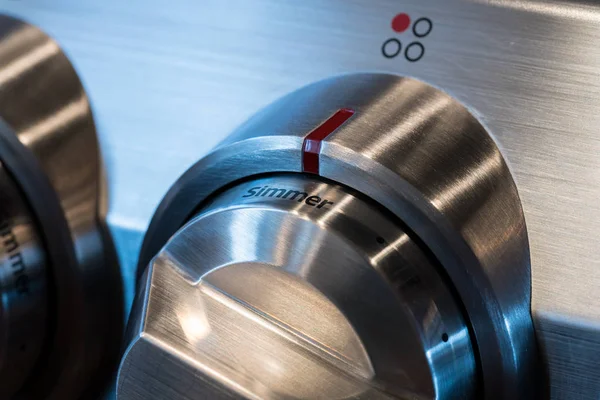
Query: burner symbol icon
(415, 50)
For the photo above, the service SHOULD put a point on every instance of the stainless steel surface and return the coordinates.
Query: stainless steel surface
(192, 71)
(299, 290)
(48, 146)
(24, 285)
(424, 157)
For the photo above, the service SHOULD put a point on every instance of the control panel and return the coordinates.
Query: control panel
(169, 82)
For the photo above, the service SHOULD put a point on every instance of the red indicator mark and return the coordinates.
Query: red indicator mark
(401, 22)
(312, 142)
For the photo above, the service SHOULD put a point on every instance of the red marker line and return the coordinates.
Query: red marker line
(311, 147)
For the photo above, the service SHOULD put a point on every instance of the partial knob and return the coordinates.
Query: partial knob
(61, 305)
(294, 287)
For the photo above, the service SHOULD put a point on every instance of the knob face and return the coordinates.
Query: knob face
(295, 287)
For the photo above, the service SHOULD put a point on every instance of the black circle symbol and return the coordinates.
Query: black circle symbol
(422, 27)
(391, 48)
(414, 52)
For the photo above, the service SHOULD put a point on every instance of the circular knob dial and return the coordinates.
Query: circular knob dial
(293, 287)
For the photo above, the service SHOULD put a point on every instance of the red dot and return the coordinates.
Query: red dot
(401, 22)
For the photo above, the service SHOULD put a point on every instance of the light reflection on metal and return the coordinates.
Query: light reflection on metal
(27, 61)
(69, 114)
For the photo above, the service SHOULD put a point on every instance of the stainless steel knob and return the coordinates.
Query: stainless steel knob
(361, 237)
(60, 299)
(291, 287)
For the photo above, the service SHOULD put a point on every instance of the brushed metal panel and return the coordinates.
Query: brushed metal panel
(168, 80)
